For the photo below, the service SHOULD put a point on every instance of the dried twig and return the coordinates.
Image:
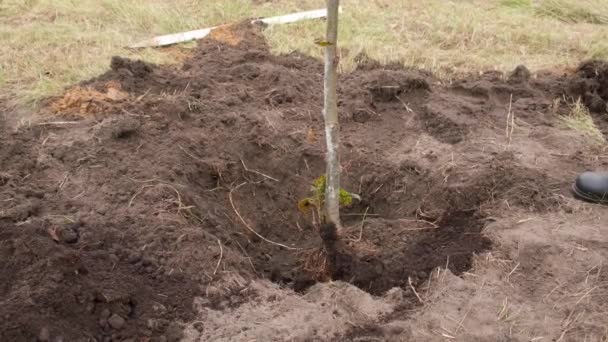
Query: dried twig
(510, 122)
(246, 256)
(79, 195)
(59, 123)
(585, 295)
(137, 194)
(362, 223)
(139, 98)
(259, 173)
(180, 204)
(133, 114)
(221, 255)
(45, 140)
(417, 229)
(190, 154)
(249, 227)
(359, 214)
(404, 104)
(512, 271)
(432, 225)
(409, 280)
(504, 310)
(567, 325)
(64, 180)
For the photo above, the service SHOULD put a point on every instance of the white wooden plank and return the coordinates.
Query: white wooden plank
(175, 38)
(294, 17)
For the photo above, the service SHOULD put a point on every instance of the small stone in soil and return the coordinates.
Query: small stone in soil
(44, 335)
(134, 258)
(124, 128)
(105, 313)
(116, 322)
(103, 323)
(69, 236)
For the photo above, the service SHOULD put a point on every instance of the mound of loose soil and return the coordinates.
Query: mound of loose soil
(112, 227)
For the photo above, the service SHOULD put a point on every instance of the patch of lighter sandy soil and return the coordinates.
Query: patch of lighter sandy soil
(545, 280)
(324, 313)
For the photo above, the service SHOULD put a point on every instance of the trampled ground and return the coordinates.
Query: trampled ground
(163, 206)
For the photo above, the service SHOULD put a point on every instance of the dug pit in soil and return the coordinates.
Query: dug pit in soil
(110, 228)
(413, 254)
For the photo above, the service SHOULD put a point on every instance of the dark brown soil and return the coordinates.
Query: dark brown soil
(109, 228)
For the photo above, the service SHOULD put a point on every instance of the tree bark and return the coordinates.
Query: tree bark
(330, 112)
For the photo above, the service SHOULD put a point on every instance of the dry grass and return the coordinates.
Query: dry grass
(581, 11)
(49, 44)
(580, 119)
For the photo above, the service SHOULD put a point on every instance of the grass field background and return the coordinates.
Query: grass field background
(47, 45)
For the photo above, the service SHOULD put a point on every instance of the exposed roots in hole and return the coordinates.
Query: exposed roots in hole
(182, 210)
(246, 225)
(315, 263)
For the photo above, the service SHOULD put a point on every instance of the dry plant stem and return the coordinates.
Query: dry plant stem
(180, 204)
(59, 123)
(219, 261)
(189, 154)
(512, 271)
(330, 114)
(362, 224)
(510, 122)
(360, 214)
(247, 257)
(257, 172)
(431, 224)
(512, 119)
(404, 105)
(137, 194)
(249, 227)
(409, 280)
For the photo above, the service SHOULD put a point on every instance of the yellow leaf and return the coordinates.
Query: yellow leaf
(322, 42)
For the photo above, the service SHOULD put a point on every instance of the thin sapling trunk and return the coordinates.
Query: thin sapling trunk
(330, 112)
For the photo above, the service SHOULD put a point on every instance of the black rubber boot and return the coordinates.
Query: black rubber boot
(592, 187)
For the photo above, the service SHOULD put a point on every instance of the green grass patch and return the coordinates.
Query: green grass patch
(517, 3)
(581, 11)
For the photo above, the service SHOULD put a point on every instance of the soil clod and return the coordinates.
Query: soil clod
(521, 74)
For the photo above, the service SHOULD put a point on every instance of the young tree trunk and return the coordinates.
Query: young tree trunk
(330, 112)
